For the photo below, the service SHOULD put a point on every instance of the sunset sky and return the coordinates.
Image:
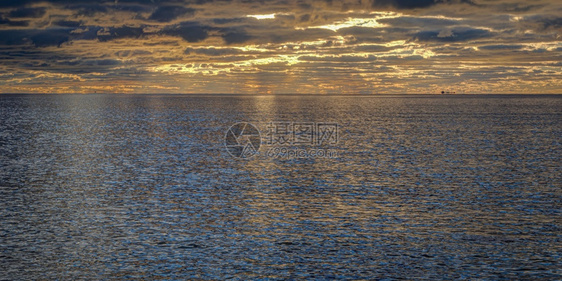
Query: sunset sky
(281, 46)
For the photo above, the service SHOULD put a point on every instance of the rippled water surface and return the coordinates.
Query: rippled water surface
(142, 187)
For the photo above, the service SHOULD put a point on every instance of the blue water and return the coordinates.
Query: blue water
(142, 187)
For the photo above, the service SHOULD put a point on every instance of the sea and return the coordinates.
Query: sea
(283, 187)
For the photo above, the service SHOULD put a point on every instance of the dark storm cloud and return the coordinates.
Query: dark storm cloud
(372, 48)
(374, 35)
(55, 62)
(14, 3)
(102, 62)
(8, 22)
(58, 36)
(212, 51)
(501, 47)
(413, 4)
(68, 23)
(13, 37)
(77, 66)
(88, 10)
(21, 3)
(304, 18)
(345, 58)
(419, 22)
(236, 37)
(541, 23)
(39, 38)
(120, 32)
(546, 23)
(272, 34)
(221, 21)
(156, 2)
(53, 37)
(404, 4)
(518, 7)
(189, 31)
(27, 13)
(35, 64)
(169, 13)
(454, 35)
(132, 8)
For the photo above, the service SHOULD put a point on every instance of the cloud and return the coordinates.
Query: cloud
(541, 24)
(8, 22)
(27, 13)
(302, 46)
(14, 3)
(119, 32)
(12, 37)
(501, 47)
(343, 58)
(404, 4)
(371, 48)
(88, 9)
(236, 37)
(413, 4)
(39, 38)
(553, 22)
(453, 35)
(189, 31)
(102, 62)
(417, 21)
(545, 23)
(169, 13)
(213, 51)
(222, 21)
(53, 37)
(68, 23)
(445, 33)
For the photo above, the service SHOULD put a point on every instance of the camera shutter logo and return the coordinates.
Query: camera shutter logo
(242, 140)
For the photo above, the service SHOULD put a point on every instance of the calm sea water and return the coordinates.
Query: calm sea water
(142, 187)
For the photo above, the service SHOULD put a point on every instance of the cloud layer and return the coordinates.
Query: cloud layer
(276, 46)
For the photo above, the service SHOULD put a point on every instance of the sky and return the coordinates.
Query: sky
(281, 46)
